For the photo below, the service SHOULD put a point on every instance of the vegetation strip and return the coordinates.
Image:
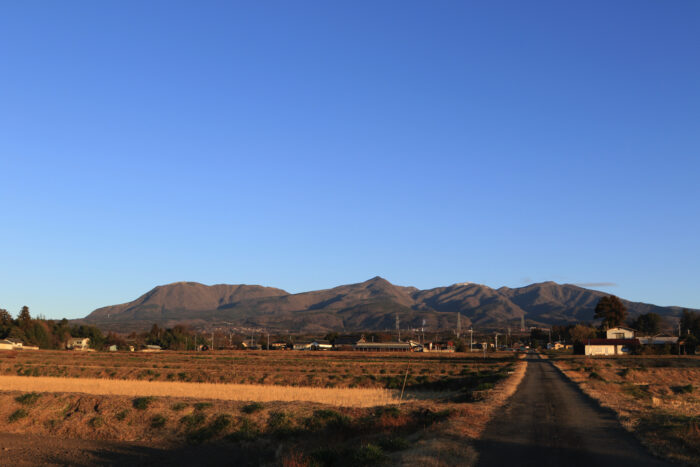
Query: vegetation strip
(346, 397)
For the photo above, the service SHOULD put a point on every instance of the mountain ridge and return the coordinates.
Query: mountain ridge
(369, 305)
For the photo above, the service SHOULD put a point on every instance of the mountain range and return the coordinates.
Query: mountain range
(369, 305)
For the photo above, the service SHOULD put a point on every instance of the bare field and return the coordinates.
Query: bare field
(310, 408)
(655, 397)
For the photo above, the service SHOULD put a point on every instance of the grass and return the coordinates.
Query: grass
(17, 415)
(28, 399)
(142, 403)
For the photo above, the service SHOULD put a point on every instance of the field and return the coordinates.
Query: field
(655, 397)
(293, 408)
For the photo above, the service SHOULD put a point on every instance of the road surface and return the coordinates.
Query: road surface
(550, 422)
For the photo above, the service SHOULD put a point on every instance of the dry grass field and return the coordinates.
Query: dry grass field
(656, 397)
(293, 408)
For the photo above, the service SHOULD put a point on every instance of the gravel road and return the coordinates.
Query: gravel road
(550, 422)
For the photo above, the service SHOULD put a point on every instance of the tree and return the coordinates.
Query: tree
(581, 332)
(611, 310)
(5, 317)
(648, 323)
(24, 317)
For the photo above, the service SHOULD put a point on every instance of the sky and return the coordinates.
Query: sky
(305, 145)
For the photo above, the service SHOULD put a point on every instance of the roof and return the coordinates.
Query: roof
(347, 340)
(322, 342)
(611, 342)
(384, 344)
(621, 327)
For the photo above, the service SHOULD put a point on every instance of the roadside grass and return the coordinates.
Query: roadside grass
(654, 397)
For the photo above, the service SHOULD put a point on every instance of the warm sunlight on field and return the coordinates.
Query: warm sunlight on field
(238, 392)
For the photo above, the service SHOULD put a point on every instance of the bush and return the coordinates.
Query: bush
(687, 389)
(366, 454)
(279, 423)
(178, 406)
(121, 415)
(193, 420)
(158, 421)
(28, 399)
(142, 403)
(17, 414)
(202, 405)
(252, 407)
(218, 425)
(247, 430)
(393, 443)
(95, 422)
(327, 419)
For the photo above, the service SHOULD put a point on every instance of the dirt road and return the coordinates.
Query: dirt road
(550, 422)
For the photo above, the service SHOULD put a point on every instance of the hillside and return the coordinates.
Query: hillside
(369, 305)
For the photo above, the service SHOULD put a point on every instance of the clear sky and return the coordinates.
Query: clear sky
(305, 145)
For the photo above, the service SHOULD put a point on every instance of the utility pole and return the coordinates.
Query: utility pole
(471, 340)
(398, 328)
(496, 342)
(459, 324)
(268, 340)
(212, 340)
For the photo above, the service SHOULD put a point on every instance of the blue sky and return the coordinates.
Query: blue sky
(305, 145)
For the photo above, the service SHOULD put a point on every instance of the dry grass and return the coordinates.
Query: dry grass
(657, 398)
(234, 392)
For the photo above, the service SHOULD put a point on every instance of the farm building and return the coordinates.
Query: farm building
(383, 347)
(78, 343)
(302, 345)
(609, 346)
(152, 348)
(6, 345)
(438, 347)
(321, 344)
(347, 342)
(620, 332)
(278, 346)
(250, 344)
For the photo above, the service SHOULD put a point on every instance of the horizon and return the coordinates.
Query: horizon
(303, 146)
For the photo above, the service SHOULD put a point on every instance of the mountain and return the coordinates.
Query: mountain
(369, 305)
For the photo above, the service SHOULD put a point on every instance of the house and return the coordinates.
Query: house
(302, 345)
(383, 347)
(6, 345)
(555, 346)
(112, 348)
(438, 347)
(620, 332)
(347, 342)
(609, 346)
(250, 344)
(78, 343)
(152, 348)
(321, 344)
(278, 346)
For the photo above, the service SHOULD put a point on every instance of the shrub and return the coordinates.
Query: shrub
(389, 410)
(158, 421)
(366, 454)
(393, 443)
(279, 423)
(247, 430)
(193, 420)
(217, 425)
(122, 415)
(95, 422)
(142, 403)
(178, 406)
(327, 419)
(687, 389)
(28, 399)
(17, 415)
(252, 407)
(202, 405)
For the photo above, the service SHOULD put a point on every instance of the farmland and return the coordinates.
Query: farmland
(655, 397)
(325, 408)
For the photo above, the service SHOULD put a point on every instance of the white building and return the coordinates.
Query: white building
(78, 343)
(620, 332)
(609, 346)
